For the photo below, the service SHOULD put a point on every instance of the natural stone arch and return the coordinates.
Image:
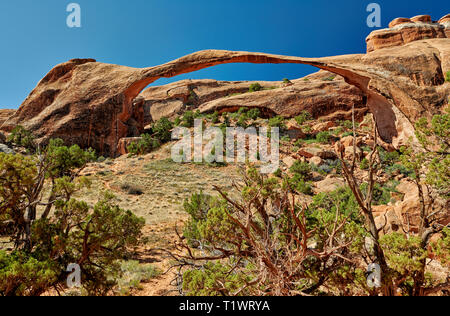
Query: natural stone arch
(90, 102)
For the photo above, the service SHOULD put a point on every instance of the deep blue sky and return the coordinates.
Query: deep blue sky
(142, 33)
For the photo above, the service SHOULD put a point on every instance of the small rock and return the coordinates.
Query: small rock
(5, 149)
(289, 161)
(316, 161)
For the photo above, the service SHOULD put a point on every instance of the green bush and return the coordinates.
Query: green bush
(300, 180)
(304, 117)
(447, 76)
(144, 146)
(162, 130)
(133, 274)
(277, 121)
(364, 165)
(323, 137)
(22, 137)
(188, 119)
(254, 87)
(254, 114)
(287, 81)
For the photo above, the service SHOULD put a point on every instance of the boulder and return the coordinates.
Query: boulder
(329, 184)
(316, 161)
(323, 126)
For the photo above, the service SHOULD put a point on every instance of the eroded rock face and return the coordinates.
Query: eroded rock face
(322, 94)
(404, 30)
(5, 114)
(94, 104)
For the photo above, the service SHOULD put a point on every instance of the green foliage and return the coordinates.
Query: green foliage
(254, 114)
(133, 274)
(301, 176)
(250, 248)
(188, 119)
(21, 137)
(431, 166)
(63, 160)
(381, 194)
(286, 81)
(364, 165)
(403, 254)
(447, 76)
(277, 121)
(214, 279)
(346, 124)
(441, 248)
(23, 275)
(331, 78)
(304, 117)
(162, 130)
(254, 87)
(68, 231)
(144, 146)
(323, 137)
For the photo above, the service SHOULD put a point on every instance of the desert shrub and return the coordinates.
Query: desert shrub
(301, 176)
(133, 274)
(214, 117)
(447, 76)
(22, 137)
(254, 114)
(331, 78)
(381, 193)
(67, 231)
(323, 137)
(256, 248)
(204, 282)
(188, 119)
(131, 189)
(302, 168)
(277, 121)
(145, 145)
(364, 165)
(346, 124)
(162, 130)
(287, 81)
(303, 117)
(255, 87)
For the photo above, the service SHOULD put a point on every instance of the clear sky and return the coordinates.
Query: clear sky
(142, 33)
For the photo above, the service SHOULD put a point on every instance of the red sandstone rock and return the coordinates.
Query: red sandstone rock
(399, 21)
(5, 114)
(93, 104)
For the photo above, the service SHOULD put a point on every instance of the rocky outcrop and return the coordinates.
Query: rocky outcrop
(5, 114)
(95, 104)
(404, 30)
(322, 94)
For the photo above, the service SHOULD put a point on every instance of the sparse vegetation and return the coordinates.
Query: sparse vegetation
(254, 87)
(304, 117)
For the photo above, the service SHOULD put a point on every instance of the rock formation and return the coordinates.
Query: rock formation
(321, 94)
(95, 104)
(5, 114)
(403, 30)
